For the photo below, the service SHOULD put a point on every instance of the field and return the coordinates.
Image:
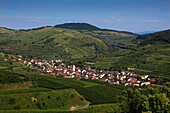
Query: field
(95, 92)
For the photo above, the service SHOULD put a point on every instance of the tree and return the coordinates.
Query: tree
(155, 100)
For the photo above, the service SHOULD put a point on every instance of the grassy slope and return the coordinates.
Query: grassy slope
(71, 41)
(58, 99)
(101, 108)
(116, 41)
(54, 42)
(152, 56)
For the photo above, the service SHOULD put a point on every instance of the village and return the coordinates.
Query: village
(56, 67)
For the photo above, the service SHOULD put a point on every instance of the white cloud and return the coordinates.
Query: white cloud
(34, 20)
(151, 21)
(113, 19)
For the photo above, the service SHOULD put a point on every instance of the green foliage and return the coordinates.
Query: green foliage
(59, 99)
(9, 77)
(91, 90)
(155, 100)
(40, 111)
(158, 38)
(147, 60)
(22, 91)
(77, 26)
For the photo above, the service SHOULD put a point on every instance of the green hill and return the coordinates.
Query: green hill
(151, 38)
(71, 40)
(77, 26)
(152, 56)
(115, 40)
(51, 43)
(158, 38)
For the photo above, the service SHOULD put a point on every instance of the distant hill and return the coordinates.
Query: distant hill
(77, 26)
(145, 32)
(51, 43)
(86, 26)
(162, 37)
(70, 40)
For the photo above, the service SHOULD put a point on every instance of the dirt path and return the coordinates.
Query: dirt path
(80, 107)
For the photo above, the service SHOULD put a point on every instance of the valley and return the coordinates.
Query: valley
(77, 64)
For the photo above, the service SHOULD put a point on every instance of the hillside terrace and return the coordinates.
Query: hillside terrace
(125, 78)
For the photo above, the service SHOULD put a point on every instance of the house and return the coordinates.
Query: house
(123, 81)
(86, 76)
(115, 82)
(123, 72)
(130, 68)
(135, 84)
(145, 83)
(65, 70)
(121, 77)
(133, 80)
(36, 62)
(93, 70)
(25, 62)
(135, 75)
(68, 76)
(40, 63)
(127, 83)
(95, 78)
(74, 68)
(28, 63)
(104, 79)
(144, 76)
(77, 75)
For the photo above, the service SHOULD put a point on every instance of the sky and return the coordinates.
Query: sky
(123, 15)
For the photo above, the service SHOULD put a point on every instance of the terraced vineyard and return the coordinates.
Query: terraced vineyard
(47, 92)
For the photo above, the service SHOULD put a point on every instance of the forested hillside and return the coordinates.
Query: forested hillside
(161, 37)
(151, 56)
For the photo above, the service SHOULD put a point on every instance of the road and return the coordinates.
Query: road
(80, 107)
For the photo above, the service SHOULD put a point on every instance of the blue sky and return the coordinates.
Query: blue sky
(128, 15)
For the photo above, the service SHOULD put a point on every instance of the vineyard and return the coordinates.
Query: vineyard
(94, 91)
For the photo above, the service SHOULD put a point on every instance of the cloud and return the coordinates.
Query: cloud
(151, 21)
(113, 19)
(34, 20)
